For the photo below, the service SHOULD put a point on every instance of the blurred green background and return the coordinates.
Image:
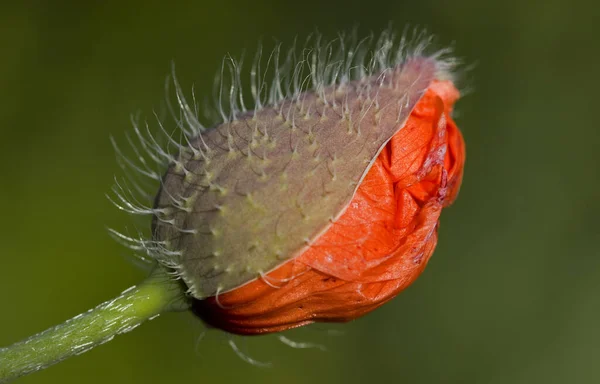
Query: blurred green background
(512, 292)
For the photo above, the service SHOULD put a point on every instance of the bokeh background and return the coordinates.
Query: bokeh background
(512, 292)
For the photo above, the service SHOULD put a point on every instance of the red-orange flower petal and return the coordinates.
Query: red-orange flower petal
(377, 248)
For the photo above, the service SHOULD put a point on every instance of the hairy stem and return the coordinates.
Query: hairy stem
(157, 294)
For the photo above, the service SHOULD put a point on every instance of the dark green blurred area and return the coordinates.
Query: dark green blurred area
(512, 292)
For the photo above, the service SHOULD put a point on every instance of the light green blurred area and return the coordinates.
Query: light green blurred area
(511, 294)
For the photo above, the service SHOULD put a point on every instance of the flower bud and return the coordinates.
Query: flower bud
(321, 204)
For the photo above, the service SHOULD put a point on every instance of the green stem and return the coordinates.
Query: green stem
(157, 294)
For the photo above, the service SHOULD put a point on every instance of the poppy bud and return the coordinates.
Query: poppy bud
(319, 205)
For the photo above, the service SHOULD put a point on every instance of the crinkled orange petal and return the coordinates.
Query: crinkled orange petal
(380, 244)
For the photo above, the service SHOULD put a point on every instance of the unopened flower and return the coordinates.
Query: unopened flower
(319, 203)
